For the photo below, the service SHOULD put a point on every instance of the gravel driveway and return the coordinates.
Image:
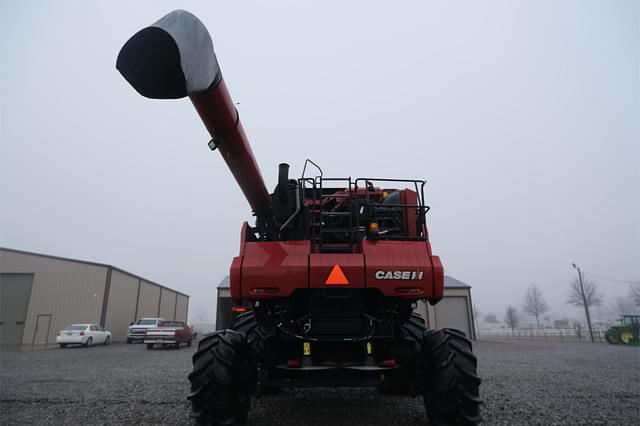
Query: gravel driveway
(524, 383)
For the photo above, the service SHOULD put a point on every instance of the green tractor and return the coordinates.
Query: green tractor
(627, 332)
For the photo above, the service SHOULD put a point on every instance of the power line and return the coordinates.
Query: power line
(610, 279)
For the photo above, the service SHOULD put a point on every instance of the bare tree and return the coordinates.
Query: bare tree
(512, 318)
(533, 303)
(624, 306)
(584, 292)
(634, 293)
(591, 296)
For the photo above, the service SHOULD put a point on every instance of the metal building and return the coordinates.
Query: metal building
(41, 294)
(455, 310)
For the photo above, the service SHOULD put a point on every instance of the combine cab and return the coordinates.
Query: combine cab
(627, 333)
(329, 274)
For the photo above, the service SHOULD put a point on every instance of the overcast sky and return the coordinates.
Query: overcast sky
(522, 116)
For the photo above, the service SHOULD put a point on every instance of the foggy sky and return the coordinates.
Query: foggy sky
(522, 116)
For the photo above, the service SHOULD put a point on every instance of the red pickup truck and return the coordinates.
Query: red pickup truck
(168, 333)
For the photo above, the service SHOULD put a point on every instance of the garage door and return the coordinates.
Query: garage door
(453, 312)
(15, 291)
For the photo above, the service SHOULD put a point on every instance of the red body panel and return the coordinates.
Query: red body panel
(274, 268)
(438, 280)
(400, 268)
(405, 269)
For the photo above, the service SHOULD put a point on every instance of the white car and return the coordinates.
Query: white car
(83, 334)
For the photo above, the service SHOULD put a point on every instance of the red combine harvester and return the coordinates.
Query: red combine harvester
(329, 275)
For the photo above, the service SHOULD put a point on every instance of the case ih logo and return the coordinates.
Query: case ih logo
(399, 275)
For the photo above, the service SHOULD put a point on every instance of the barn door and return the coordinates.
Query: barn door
(41, 333)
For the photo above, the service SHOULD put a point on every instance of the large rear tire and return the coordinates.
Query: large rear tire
(246, 323)
(451, 395)
(611, 339)
(256, 339)
(222, 379)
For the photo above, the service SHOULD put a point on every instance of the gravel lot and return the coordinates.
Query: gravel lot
(524, 383)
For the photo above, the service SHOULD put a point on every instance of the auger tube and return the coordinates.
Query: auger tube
(174, 58)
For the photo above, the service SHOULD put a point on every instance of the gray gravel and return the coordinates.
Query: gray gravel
(524, 383)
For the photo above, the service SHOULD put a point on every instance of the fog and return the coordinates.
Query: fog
(522, 116)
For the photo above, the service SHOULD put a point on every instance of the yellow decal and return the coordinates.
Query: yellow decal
(306, 348)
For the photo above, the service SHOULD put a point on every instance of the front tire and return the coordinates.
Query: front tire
(611, 339)
(107, 340)
(63, 345)
(89, 342)
(149, 345)
(246, 323)
(221, 380)
(256, 339)
(451, 394)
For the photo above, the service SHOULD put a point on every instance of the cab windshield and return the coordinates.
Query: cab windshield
(146, 322)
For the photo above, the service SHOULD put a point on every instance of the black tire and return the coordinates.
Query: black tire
(149, 345)
(614, 340)
(176, 345)
(221, 380)
(128, 341)
(410, 347)
(246, 323)
(451, 395)
(63, 345)
(107, 340)
(89, 342)
(189, 342)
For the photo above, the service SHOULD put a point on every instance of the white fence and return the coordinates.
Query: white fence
(567, 334)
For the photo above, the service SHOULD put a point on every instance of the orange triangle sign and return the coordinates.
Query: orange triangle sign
(336, 277)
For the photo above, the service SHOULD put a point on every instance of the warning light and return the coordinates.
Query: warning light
(373, 228)
(337, 277)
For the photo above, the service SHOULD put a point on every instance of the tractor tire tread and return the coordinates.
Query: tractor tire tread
(451, 394)
(220, 380)
(247, 324)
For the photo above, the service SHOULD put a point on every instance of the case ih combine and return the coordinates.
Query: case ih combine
(331, 271)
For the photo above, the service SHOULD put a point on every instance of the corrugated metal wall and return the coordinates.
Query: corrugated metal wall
(149, 302)
(182, 307)
(454, 311)
(167, 304)
(67, 291)
(121, 307)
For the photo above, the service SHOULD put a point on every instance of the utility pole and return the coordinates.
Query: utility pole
(584, 301)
